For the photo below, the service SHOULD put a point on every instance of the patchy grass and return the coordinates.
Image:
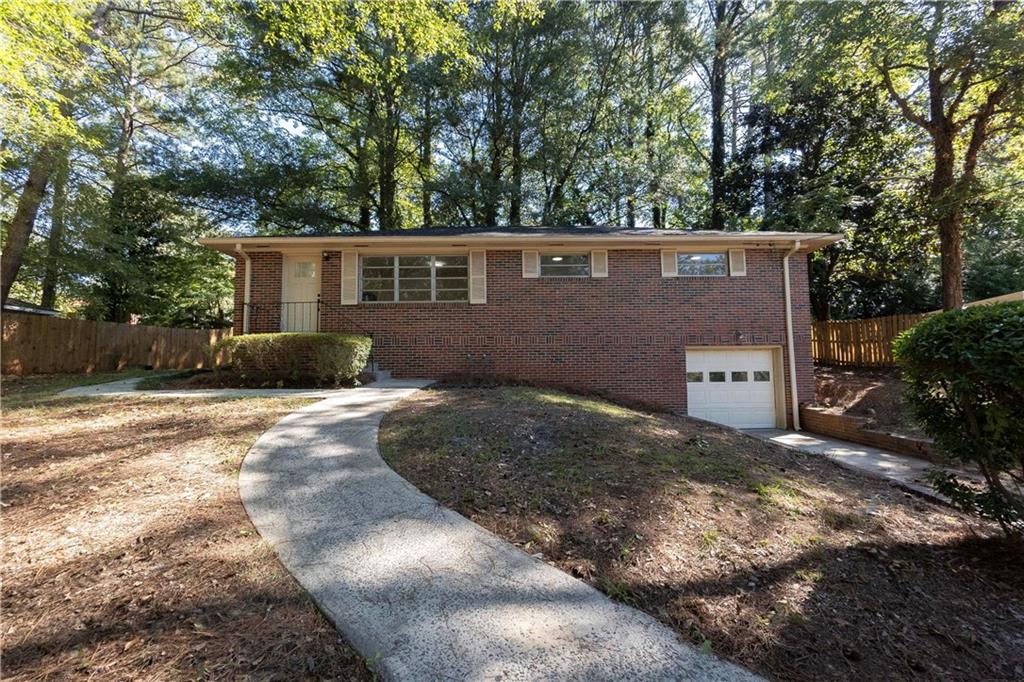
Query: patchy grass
(782, 562)
(176, 379)
(193, 378)
(127, 553)
(19, 391)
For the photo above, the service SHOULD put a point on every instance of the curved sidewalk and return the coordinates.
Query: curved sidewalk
(422, 592)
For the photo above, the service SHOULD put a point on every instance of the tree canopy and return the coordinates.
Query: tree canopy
(133, 127)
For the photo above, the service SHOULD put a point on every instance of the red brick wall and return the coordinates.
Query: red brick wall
(239, 316)
(848, 427)
(624, 336)
(265, 297)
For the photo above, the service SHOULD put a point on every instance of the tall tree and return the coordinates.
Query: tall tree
(375, 43)
(954, 70)
(39, 25)
(725, 20)
(58, 228)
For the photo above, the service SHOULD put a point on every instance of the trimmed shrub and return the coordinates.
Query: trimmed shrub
(295, 358)
(965, 384)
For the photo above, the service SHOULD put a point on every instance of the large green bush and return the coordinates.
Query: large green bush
(295, 358)
(965, 375)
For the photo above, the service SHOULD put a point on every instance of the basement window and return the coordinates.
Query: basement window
(413, 279)
(565, 265)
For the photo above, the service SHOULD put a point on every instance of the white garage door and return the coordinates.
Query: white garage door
(733, 387)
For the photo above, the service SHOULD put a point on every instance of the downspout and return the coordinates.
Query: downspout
(795, 400)
(247, 288)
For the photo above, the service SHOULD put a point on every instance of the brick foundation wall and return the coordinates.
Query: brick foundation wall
(854, 429)
(624, 336)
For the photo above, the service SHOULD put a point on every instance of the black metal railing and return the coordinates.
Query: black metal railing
(287, 316)
(301, 316)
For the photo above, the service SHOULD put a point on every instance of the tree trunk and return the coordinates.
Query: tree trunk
(718, 64)
(363, 185)
(386, 214)
(948, 211)
(491, 188)
(517, 96)
(55, 244)
(653, 186)
(631, 189)
(766, 160)
(515, 205)
(116, 287)
(496, 135)
(821, 286)
(426, 158)
(387, 164)
(952, 251)
(20, 228)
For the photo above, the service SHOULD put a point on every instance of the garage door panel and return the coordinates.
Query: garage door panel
(742, 393)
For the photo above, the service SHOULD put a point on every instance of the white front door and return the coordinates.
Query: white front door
(732, 387)
(300, 288)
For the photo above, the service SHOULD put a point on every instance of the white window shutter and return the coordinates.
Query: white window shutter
(349, 277)
(737, 262)
(669, 264)
(599, 263)
(531, 264)
(478, 277)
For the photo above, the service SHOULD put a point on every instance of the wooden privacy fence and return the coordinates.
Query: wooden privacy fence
(36, 344)
(866, 343)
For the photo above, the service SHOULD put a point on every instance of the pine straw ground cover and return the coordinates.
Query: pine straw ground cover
(127, 553)
(782, 562)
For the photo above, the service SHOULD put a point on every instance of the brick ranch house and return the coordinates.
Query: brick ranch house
(711, 324)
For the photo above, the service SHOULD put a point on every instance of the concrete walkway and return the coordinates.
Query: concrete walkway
(130, 387)
(902, 470)
(422, 592)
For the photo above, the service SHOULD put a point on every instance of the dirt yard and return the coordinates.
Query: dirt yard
(876, 394)
(127, 553)
(782, 562)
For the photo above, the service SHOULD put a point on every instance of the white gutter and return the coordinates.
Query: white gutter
(248, 288)
(748, 240)
(795, 400)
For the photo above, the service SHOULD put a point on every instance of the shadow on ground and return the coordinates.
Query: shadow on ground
(780, 561)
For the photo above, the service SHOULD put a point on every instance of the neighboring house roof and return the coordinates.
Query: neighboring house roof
(1012, 296)
(15, 305)
(526, 236)
(1004, 298)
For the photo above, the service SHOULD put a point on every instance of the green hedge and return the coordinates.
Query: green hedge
(296, 358)
(965, 384)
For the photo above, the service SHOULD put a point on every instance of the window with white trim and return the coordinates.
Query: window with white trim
(703, 264)
(413, 279)
(565, 265)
